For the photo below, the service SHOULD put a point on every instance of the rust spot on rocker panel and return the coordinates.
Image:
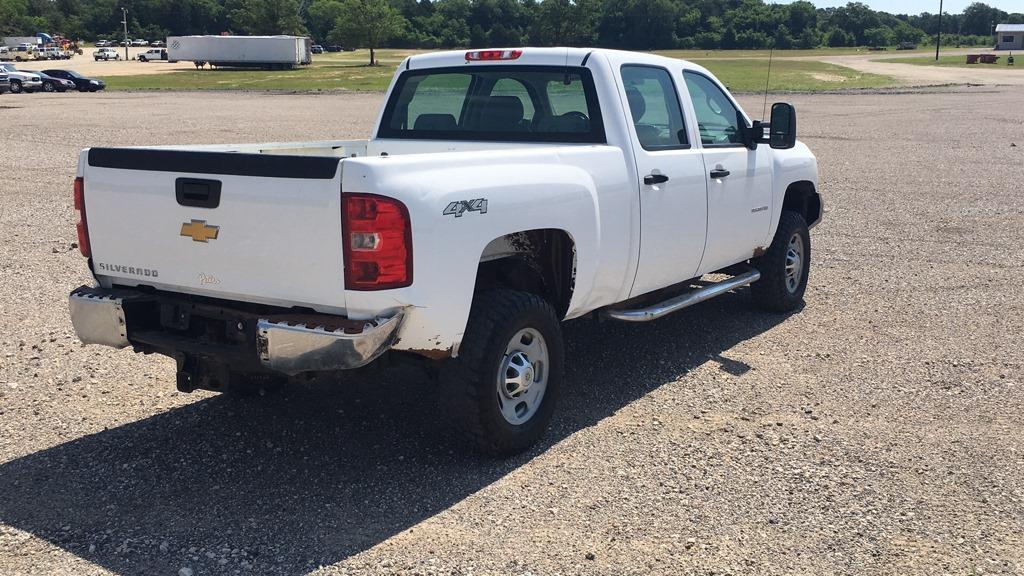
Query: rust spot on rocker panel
(438, 354)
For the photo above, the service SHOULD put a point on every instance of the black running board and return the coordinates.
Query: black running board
(684, 300)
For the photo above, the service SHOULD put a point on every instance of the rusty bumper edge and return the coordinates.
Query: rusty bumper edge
(292, 349)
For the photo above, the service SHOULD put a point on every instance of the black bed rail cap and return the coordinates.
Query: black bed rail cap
(229, 163)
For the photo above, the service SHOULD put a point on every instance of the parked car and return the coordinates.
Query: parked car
(52, 83)
(153, 54)
(460, 235)
(51, 53)
(21, 81)
(25, 53)
(334, 48)
(106, 54)
(82, 83)
(317, 49)
(907, 46)
(140, 42)
(104, 43)
(158, 44)
(5, 83)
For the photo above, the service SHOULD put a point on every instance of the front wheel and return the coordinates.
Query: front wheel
(785, 266)
(49, 87)
(502, 389)
(16, 87)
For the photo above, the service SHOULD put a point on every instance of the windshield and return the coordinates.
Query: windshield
(495, 103)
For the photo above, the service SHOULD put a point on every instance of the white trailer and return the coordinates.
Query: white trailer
(14, 41)
(274, 52)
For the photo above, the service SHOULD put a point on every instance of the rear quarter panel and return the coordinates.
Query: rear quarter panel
(582, 190)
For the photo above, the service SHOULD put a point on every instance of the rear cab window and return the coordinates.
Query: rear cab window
(495, 103)
(654, 107)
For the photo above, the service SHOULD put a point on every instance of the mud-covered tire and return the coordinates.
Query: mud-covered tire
(781, 287)
(472, 385)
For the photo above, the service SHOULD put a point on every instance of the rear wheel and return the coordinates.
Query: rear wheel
(785, 266)
(502, 389)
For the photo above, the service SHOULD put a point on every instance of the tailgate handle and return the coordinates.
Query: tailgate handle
(197, 193)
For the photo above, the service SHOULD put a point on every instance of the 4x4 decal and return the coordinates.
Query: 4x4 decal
(460, 207)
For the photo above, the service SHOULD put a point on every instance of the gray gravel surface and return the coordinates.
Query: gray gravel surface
(877, 431)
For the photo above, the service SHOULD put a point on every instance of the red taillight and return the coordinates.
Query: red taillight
(477, 55)
(377, 242)
(82, 226)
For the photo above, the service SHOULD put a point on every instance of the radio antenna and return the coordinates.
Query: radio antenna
(768, 79)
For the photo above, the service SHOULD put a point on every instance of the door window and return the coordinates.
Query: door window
(654, 106)
(716, 115)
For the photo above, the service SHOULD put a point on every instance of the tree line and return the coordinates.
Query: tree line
(628, 24)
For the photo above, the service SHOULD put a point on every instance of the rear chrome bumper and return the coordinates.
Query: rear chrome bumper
(98, 318)
(283, 343)
(295, 348)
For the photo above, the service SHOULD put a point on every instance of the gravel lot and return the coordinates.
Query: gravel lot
(878, 431)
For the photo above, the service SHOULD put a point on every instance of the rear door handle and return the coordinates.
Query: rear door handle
(719, 173)
(652, 179)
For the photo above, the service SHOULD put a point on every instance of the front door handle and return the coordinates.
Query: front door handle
(719, 173)
(652, 179)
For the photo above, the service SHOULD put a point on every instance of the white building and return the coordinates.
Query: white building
(1009, 36)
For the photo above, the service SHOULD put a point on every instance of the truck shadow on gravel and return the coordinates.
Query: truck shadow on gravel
(324, 471)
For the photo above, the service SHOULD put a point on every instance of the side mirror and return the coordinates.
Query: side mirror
(782, 132)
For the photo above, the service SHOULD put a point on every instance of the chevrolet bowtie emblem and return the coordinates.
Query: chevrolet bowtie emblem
(198, 231)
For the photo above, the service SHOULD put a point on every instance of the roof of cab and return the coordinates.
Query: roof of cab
(544, 57)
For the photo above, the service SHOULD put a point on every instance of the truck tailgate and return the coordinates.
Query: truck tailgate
(253, 227)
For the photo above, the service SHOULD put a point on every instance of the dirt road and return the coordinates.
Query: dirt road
(917, 75)
(877, 431)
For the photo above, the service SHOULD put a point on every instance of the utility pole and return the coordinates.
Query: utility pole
(938, 33)
(124, 21)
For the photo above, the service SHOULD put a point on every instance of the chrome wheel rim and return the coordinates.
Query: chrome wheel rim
(794, 262)
(523, 376)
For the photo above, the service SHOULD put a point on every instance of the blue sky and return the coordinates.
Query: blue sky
(918, 6)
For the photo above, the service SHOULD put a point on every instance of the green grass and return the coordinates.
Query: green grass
(720, 54)
(742, 71)
(959, 61)
(341, 70)
(792, 76)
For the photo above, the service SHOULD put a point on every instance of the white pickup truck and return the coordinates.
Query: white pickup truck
(502, 192)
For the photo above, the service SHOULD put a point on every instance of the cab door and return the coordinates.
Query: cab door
(739, 179)
(673, 190)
